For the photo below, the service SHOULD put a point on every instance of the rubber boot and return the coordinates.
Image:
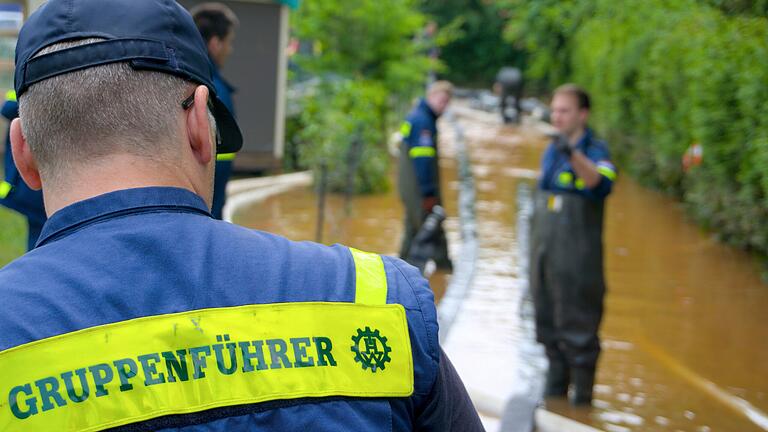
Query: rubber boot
(583, 380)
(557, 378)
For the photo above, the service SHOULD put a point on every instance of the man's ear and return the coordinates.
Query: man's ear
(23, 158)
(585, 114)
(199, 128)
(214, 44)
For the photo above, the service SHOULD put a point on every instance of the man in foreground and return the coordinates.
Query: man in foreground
(137, 310)
(566, 267)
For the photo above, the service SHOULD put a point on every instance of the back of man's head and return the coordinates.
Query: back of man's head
(82, 116)
(440, 87)
(581, 96)
(439, 95)
(214, 19)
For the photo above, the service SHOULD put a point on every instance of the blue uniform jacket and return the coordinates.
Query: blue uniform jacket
(20, 197)
(154, 251)
(421, 140)
(557, 174)
(224, 90)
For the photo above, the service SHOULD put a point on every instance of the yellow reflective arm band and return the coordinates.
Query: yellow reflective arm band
(5, 189)
(421, 151)
(405, 129)
(370, 278)
(607, 172)
(10, 95)
(225, 157)
(136, 370)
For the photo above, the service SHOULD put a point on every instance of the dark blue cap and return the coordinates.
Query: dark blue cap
(157, 35)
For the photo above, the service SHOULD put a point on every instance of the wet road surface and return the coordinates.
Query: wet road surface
(685, 341)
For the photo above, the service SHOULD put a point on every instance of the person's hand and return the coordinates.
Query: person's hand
(563, 146)
(428, 202)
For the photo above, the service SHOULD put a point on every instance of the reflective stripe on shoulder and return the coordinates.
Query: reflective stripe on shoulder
(225, 157)
(370, 278)
(5, 189)
(422, 151)
(607, 170)
(10, 95)
(131, 371)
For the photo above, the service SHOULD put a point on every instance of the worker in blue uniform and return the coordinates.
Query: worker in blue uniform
(14, 193)
(566, 266)
(419, 171)
(139, 311)
(217, 24)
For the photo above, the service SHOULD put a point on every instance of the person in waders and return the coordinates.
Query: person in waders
(566, 268)
(419, 174)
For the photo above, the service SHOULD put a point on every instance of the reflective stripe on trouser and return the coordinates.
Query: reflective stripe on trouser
(566, 276)
(136, 370)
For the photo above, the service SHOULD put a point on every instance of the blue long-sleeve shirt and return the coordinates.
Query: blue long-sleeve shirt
(557, 174)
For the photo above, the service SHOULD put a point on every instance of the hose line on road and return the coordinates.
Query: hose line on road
(464, 272)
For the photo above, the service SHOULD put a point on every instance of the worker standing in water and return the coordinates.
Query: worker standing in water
(419, 173)
(566, 266)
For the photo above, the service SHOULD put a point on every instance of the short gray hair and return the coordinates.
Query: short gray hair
(91, 113)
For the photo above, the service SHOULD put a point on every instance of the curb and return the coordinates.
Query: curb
(245, 192)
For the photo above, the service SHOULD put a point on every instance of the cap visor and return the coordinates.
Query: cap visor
(229, 131)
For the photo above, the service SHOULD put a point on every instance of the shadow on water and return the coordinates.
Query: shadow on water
(684, 334)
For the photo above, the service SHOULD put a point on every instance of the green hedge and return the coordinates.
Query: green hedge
(668, 74)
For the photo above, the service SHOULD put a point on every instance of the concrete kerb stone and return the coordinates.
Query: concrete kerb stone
(245, 192)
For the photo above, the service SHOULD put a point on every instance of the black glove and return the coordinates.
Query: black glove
(563, 146)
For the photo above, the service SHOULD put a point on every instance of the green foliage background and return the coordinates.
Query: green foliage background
(370, 63)
(474, 49)
(665, 74)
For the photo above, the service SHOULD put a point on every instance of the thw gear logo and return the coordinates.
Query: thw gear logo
(371, 349)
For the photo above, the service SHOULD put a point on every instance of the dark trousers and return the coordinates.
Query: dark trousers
(223, 172)
(566, 279)
(508, 92)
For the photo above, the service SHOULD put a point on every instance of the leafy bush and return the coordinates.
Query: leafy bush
(341, 132)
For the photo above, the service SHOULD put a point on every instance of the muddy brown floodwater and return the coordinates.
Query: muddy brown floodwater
(685, 341)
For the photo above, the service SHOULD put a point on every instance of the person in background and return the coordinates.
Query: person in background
(509, 83)
(14, 193)
(566, 266)
(418, 170)
(217, 24)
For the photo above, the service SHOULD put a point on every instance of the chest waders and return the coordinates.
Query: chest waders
(568, 286)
